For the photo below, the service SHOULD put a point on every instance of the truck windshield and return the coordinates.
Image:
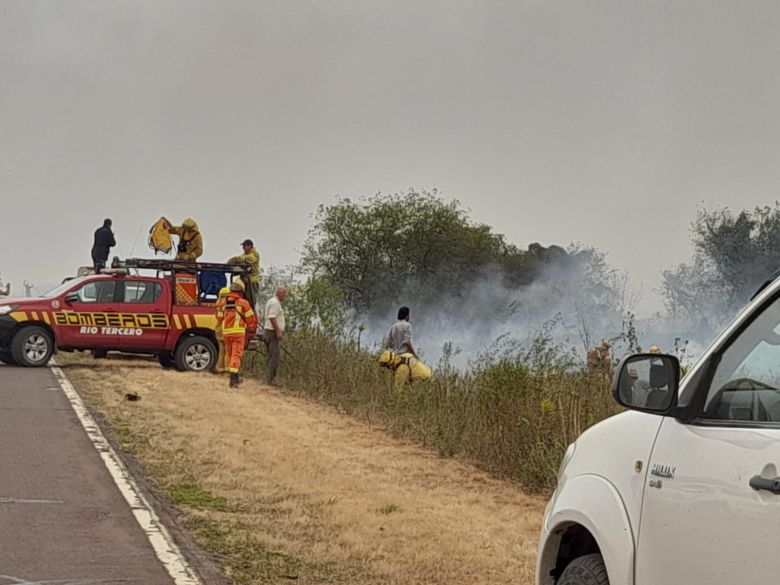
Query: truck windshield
(67, 285)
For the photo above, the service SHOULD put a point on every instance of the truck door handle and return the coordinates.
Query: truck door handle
(761, 483)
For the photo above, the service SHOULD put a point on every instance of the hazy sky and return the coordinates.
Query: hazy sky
(605, 123)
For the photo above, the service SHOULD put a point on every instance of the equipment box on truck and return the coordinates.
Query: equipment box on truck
(170, 314)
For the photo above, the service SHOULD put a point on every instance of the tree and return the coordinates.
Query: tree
(381, 247)
(463, 280)
(734, 253)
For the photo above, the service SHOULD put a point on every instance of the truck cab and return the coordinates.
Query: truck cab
(169, 314)
(683, 487)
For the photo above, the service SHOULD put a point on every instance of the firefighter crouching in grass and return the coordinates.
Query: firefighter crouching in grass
(222, 362)
(237, 317)
(400, 357)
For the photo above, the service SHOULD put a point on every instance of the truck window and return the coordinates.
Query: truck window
(746, 384)
(97, 291)
(141, 291)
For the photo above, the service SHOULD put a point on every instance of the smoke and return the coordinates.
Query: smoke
(575, 300)
(572, 303)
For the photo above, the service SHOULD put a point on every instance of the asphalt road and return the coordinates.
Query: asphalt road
(63, 521)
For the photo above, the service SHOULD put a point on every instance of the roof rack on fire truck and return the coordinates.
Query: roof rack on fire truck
(180, 266)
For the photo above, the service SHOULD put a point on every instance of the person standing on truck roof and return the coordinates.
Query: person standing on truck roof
(190, 241)
(104, 241)
(219, 312)
(273, 323)
(237, 317)
(252, 281)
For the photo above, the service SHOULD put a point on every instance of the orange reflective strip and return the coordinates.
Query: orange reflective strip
(46, 318)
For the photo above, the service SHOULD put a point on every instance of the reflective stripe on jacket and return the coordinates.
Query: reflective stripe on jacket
(219, 313)
(238, 316)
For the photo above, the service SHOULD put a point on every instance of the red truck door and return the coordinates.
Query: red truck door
(85, 313)
(145, 314)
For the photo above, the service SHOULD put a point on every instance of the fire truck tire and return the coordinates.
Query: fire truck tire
(32, 347)
(166, 360)
(7, 358)
(195, 354)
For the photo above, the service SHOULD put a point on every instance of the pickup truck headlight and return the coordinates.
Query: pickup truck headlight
(5, 309)
(566, 459)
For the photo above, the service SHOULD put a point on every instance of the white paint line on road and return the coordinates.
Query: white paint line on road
(164, 546)
(19, 581)
(26, 501)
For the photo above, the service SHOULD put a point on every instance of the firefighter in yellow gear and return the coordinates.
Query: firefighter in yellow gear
(599, 359)
(190, 245)
(405, 367)
(219, 312)
(237, 318)
(250, 257)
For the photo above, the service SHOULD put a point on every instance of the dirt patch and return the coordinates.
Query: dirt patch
(282, 489)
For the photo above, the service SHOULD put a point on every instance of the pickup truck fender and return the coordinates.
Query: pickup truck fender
(593, 503)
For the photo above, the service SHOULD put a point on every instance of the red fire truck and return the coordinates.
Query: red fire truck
(169, 314)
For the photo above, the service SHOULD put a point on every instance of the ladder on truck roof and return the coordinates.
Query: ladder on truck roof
(193, 282)
(181, 266)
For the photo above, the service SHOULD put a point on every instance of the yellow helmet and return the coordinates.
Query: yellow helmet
(654, 349)
(224, 291)
(237, 285)
(190, 223)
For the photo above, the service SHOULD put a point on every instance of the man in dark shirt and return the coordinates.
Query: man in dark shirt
(104, 241)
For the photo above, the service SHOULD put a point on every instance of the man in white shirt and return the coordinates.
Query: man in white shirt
(399, 338)
(273, 323)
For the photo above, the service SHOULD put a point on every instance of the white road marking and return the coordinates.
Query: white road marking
(19, 581)
(164, 546)
(25, 501)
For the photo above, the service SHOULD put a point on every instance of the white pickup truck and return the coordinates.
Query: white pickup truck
(684, 488)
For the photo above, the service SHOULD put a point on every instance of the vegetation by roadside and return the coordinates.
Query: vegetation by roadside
(282, 489)
(512, 413)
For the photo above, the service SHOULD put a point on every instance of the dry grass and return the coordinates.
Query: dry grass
(281, 488)
(512, 414)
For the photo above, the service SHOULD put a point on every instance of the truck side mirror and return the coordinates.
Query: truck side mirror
(72, 298)
(648, 382)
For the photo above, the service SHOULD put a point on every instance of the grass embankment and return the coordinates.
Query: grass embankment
(280, 489)
(512, 415)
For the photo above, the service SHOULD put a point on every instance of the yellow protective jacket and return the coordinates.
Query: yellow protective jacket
(160, 237)
(190, 241)
(253, 259)
(219, 313)
(405, 364)
(237, 316)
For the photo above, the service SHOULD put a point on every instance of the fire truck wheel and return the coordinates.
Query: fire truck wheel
(196, 354)
(7, 358)
(166, 360)
(32, 347)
